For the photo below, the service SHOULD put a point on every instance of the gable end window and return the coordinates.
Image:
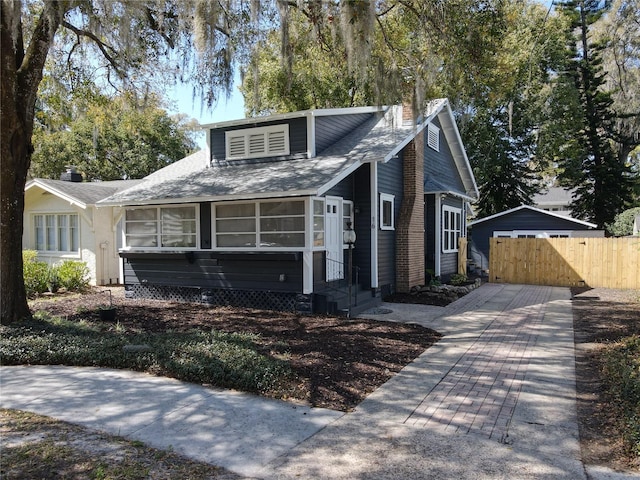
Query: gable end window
(433, 137)
(257, 142)
(451, 228)
(386, 211)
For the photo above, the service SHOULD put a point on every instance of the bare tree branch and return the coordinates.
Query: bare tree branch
(99, 43)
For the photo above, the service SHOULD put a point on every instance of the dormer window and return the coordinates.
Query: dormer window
(257, 142)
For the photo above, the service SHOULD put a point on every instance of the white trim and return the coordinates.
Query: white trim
(433, 137)
(257, 216)
(534, 209)
(285, 116)
(373, 181)
(438, 239)
(351, 219)
(54, 191)
(457, 212)
(536, 233)
(244, 136)
(307, 272)
(128, 248)
(387, 197)
(339, 178)
(77, 253)
(311, 137)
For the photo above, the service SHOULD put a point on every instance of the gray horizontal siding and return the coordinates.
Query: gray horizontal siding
(332, 128)
(215, 270)
(389, 181)
(297, 136)
(440, 166)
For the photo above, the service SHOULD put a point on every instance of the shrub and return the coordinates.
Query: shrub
(36, 273)
(458, 279)
(623, 222)
(40, 277)
(73, 275)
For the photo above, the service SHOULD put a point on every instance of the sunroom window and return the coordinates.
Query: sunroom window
(279, 224)
(170, 227)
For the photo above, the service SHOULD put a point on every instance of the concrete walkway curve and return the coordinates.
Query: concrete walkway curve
(495, 398)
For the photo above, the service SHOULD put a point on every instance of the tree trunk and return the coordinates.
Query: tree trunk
(21, 76)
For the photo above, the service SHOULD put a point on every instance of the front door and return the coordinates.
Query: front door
(333, 239)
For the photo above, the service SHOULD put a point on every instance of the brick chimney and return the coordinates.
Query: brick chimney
(71, 175)
(410, 267)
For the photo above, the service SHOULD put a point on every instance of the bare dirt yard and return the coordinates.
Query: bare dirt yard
(602, 317)
(338, 362)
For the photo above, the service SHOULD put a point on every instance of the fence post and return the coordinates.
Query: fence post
(462, 255)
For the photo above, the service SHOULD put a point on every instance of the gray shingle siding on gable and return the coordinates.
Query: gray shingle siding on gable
(441, 166)
(297, 136)
(524, 219)
(330, 129)
(389, 181)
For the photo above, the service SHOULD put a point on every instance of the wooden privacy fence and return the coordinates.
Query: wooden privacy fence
(566, 262)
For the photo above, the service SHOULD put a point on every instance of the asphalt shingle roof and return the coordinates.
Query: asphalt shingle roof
(88, 193)
(371, 141)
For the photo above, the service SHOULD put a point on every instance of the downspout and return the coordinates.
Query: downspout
(438, 245)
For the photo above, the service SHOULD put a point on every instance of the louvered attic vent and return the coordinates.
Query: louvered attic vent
(433, 137)
(257, 142)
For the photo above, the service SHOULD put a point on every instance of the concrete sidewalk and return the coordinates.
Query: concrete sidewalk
(495, 398)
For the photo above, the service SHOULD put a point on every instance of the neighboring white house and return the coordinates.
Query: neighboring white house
(61, 222)
(636, 225)
(555, 199)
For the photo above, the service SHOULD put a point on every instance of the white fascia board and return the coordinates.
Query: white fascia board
(284, 116)
(337, 179)
(220, 198)
(56, 192)
(453, 194)
(457, 141)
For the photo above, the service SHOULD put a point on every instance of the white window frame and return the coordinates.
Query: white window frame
(158, 232)
(258, 231)
(387, 198)
(246, 134)
(447, 231)
(433, 137)
(68, 232)
(313, 229)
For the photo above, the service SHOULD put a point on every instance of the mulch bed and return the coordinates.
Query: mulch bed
(601, 316)
(338, 361)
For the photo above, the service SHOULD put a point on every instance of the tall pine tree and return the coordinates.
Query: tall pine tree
(584, 147)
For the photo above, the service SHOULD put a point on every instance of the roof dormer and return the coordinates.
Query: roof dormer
(257, 142)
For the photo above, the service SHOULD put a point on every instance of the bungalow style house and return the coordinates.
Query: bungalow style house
(259, 217)
(62, 222)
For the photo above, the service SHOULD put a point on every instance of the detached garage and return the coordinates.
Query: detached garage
(522, 222)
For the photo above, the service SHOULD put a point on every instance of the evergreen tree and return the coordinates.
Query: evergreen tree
(584, 123)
